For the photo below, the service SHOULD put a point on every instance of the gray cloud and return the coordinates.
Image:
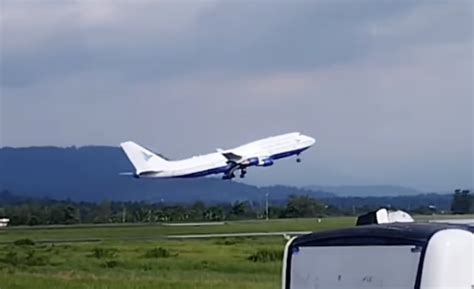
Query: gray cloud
(228, 36)
(385, 87)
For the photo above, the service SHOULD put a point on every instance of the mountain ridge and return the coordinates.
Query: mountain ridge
(91, 173)
(367, 190)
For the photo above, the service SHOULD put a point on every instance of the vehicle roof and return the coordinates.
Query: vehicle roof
(378, 234)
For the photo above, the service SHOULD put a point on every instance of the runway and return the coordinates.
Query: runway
(174, 237)
(455, 221)
(237, 235)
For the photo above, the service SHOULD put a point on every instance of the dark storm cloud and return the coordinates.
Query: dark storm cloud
(229, 36)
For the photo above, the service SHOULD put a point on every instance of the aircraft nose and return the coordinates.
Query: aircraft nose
(307, 139)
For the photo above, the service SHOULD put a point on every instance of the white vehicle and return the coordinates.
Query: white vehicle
(260, 153)
(4, 222)
(395, 256)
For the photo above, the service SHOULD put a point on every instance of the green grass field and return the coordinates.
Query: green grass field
(191, 264)
(139, 256)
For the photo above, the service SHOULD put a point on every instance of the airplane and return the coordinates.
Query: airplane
(260, 153)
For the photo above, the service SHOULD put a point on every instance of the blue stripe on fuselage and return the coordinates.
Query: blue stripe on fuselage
(225, 169)
(213, 171)
(287, 154)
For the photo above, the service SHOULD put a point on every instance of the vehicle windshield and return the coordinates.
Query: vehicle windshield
(350, 267)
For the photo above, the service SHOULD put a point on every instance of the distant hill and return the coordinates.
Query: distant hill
(91, 174)
(407, 202)
(363, 191)
(8, 198)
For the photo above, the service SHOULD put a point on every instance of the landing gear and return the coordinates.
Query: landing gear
(231, 173)
(298, 160)
(228, 177)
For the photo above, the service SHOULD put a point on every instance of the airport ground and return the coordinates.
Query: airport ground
(142, 256)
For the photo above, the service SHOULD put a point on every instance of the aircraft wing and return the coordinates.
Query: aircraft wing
(239, 162)
(233, 160)
(230, 156)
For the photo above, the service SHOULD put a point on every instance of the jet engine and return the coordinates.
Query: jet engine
(251, 162)
(265, 162)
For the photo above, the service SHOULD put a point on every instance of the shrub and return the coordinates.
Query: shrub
(110, 264)
(11, 258)
(29, 258)
(101, 253)
(24, 242)
(266, 255)
(32, 259)
(159, 253)
(229, 241)
(204, 264)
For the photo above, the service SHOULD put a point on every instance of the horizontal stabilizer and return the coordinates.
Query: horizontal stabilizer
(127, 174)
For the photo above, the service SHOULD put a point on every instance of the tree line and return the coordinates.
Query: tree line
(463, 202)
(49, 212)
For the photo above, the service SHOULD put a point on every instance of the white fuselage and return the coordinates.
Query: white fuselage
(258, 153)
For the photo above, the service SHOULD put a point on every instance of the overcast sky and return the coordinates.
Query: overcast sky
(385, 87)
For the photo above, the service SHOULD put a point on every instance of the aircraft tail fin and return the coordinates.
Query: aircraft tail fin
(142, 159)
